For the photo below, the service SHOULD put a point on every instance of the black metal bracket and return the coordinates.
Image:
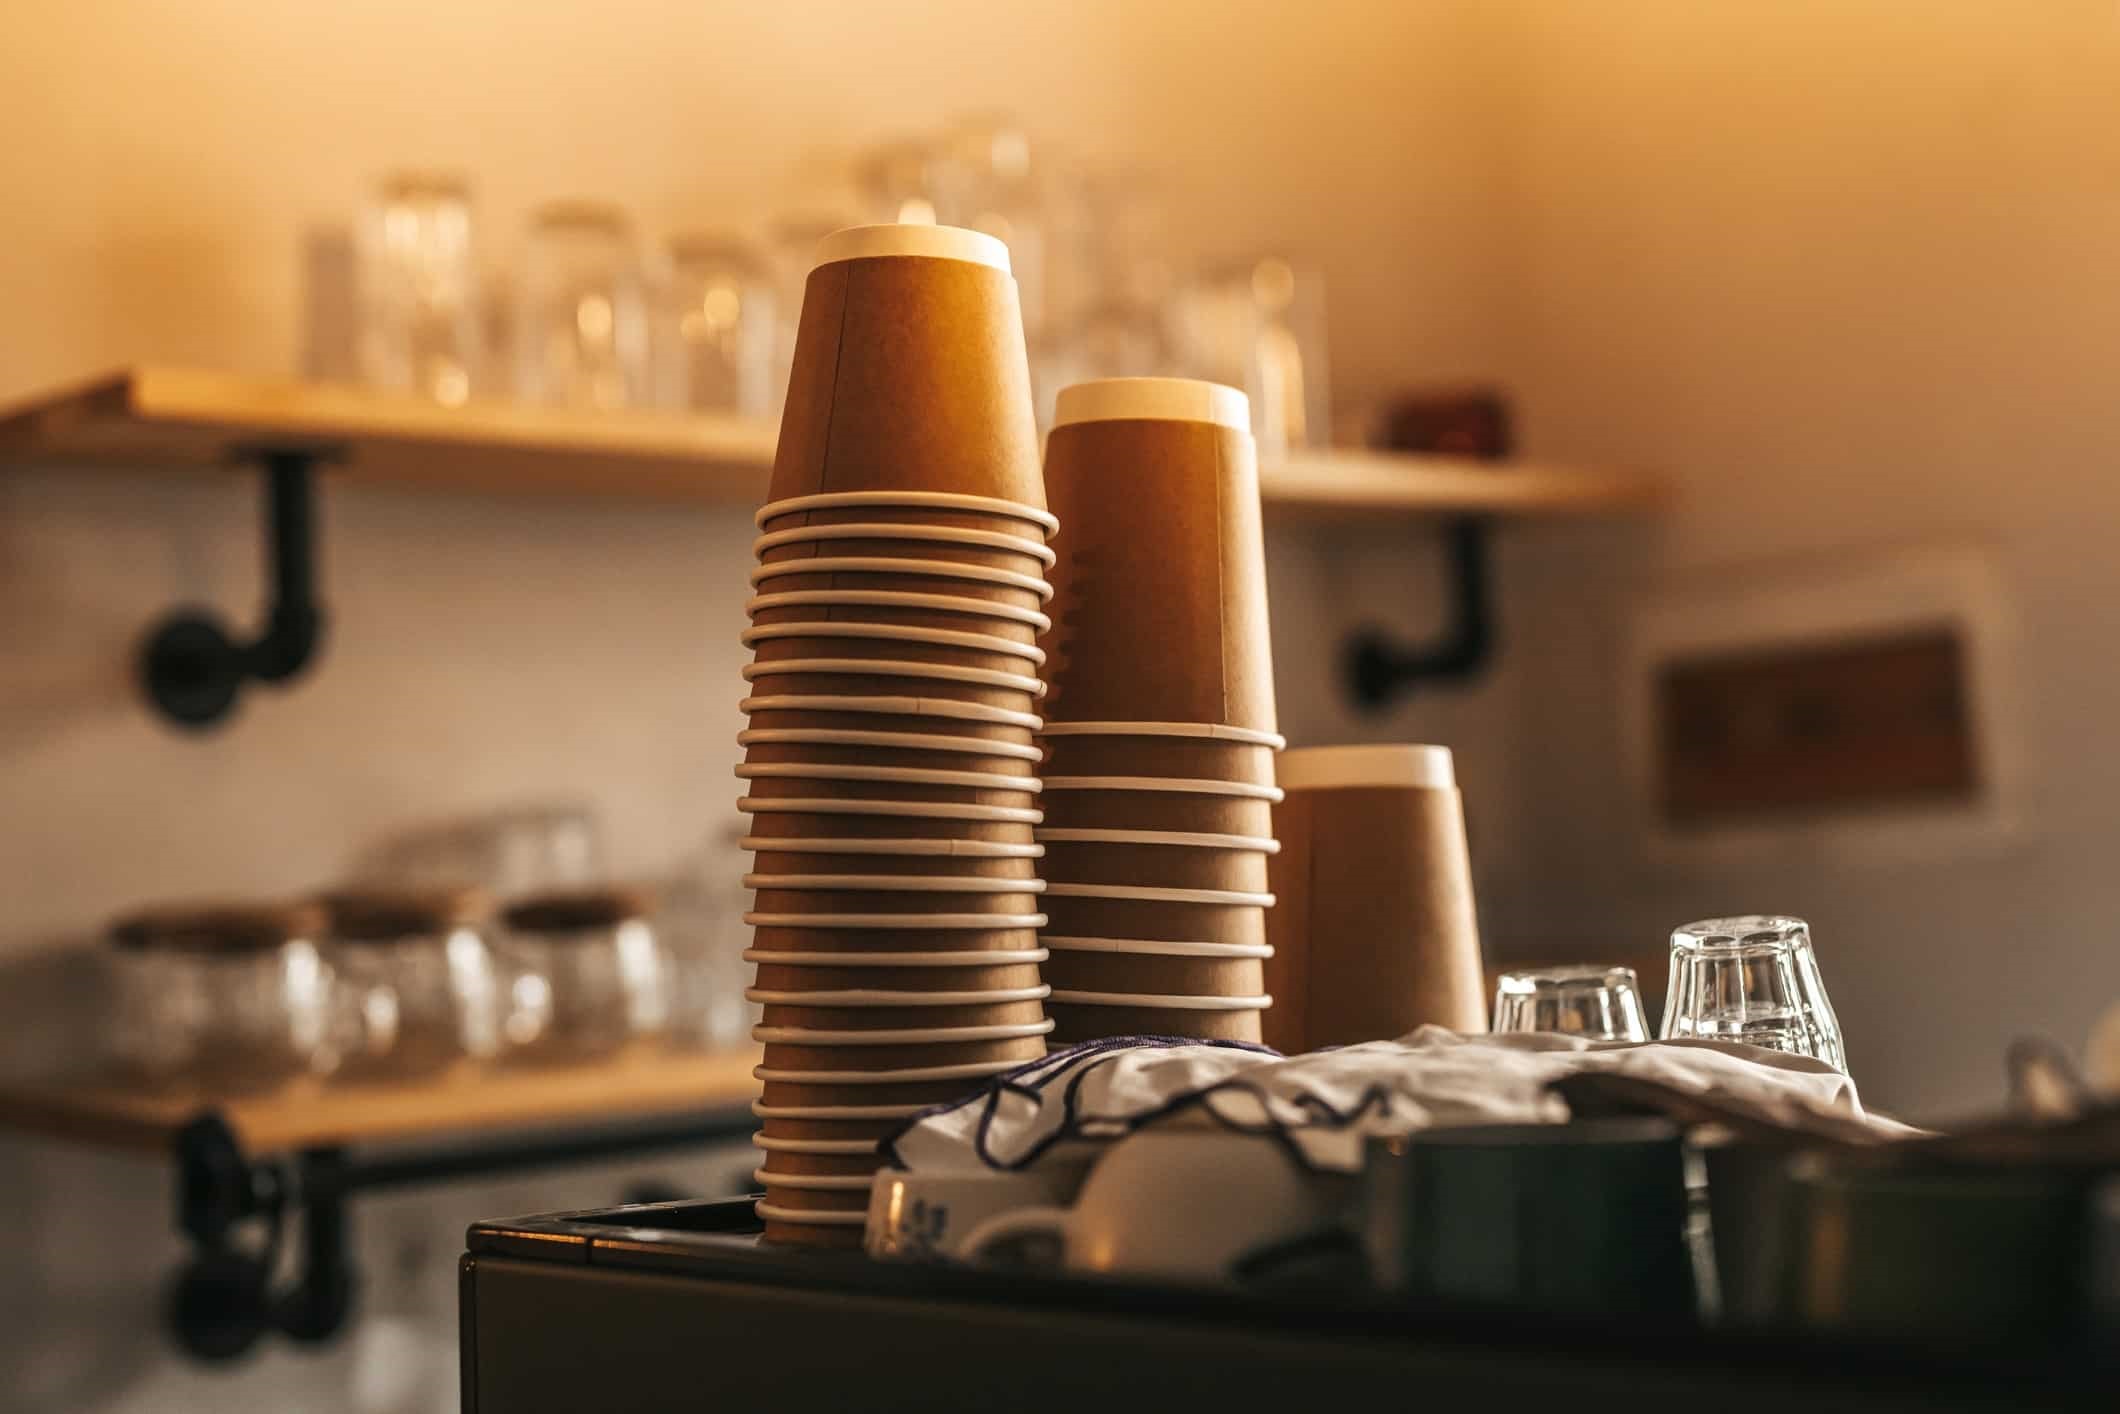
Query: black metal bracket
(1378, 668)
(234, 1208)
(191, 667)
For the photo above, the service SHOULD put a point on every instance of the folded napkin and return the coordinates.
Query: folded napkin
(1328, 1103)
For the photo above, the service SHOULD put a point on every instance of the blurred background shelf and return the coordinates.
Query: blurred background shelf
(152, 418)
(459, 1104)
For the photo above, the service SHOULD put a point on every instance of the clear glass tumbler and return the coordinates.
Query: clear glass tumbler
(581, 327)
(1596, 1003)
(1752, 979)
(582, 974)
(422, 326)
(715, 330)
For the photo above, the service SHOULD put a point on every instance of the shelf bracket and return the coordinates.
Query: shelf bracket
(1379, 668)
(191, 667)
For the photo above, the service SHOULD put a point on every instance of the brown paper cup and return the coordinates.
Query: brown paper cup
(798, 1094)
(1176, 922)
(843, 786)
(1162, 582)
(932, 752)
(1155, 866)
(1022, 937)
(901, 515)
(817, 1200)
(963, 649)
(1167, 976)
(849, 1018)
(909, 505)
(841, 676)
(949, 612)
(779, 1161)
(781, 711)
(1184, 758)
(846, 1238)
(923, 866)
(1093, 1023)
(769, 820)
(785, 1055)
(905, 576)
(913, 905)
(975, 978)
(909, 374)
(1156, 810)
(1375, 930)
(919, 556)
(830, 1130)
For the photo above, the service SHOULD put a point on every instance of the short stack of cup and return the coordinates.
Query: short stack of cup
(1159, 731)
(890, 761)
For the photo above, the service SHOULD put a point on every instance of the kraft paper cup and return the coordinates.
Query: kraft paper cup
(926, 752)
(898, 573)
(805, 784)
(887, 819)
(859, 711)
(1070, 972)
(1162, 584)
(871, 891)
(994, 522)
(843, 1087)
(787, 861)
(837, 1114)
(832, 1058)
(1179, 922)
(951, 647)
(1164, 839)
(836, 1131)
(911, 505)
(784, 1227)
(838, 675)
(940, 851)
(910, 935)
(1161, 812)
(1376, 931)
(909, 372)
(954, 1015)
(1169, 756)
(995, 910)
(1014, 975)
(1154, 947)
(836, 1144)
(909, 609)
(1219, 870)
(938, 733)
(822, 1173)
(919, 553)
(1072, 1024)
(1167, 785)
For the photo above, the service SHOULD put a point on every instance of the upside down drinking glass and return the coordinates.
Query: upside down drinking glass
(1752, 979)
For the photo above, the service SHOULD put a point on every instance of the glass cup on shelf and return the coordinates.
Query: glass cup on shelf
(581, 328)
(1259, 326)
(416, 979)
(581, 973)
(703, 938)
(1752, 979)
(421, 322)
(1595, 1003)
(715, 327)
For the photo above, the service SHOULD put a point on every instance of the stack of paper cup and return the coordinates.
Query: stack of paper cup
(1159, 731)
(890, 762)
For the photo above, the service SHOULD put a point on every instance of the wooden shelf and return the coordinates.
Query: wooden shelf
(461, 1103)
(152, 419)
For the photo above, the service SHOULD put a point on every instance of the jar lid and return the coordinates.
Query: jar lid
(218, 927)
(373, 915)
(568, 910)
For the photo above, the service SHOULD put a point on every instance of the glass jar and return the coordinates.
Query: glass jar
(225, 997)
(417, 981)
(581, 328)
(422, 320)
(715, 329)
(582, 972)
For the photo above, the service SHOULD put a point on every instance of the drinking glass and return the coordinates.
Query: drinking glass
(715, 327)
(421, 322)
(1597, 1003)
(1260, 326)
(582, 326)
(1752, 979)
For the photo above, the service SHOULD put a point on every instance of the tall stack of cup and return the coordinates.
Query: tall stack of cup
(1376, 933)
(890, 761)
(1159, 732)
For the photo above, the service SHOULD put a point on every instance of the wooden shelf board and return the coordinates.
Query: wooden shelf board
(152, 418)
(306, 1114)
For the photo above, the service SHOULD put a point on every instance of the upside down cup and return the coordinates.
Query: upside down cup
(1071, 972)
(1076, 1021)
(1155, 920)
(917, 751)
(1121, 802)
(890, 934)
(1155, 866)
(1160, 749)
(907, 608)
(829, 1051)
(789, 859)
(982, 977)
(909, 371)
(902, 575)
(860, 821)
(1160, 607)
(801, 784)
(909, 508)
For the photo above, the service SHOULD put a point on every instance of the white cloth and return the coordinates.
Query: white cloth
(1329, 1102)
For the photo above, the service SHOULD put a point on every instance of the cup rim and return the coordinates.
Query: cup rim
(1526, 981)
(1210, 731)
(860, 997)
(995, 957)
(1152, 399)
(846, 1112)
(885, 564)
(904, 1036)
(1155, 947)
(892, 809)
(815, 1182)
(893, 668)
(773, 1143)
(900, 922)
(1227, 898)
(907, 500)
(907, 849)
(854, 705)
(1174, 785)
(899, 599)
(895, 633)
(904, 1075)
(898, 775)
(1392, 765)
(892, 884)
(890, 741)
(774, 1213)
(1190, 839)
(1162, 1002)
(928, 241)
(901, 530)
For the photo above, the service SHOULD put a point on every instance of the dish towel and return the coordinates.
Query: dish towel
(1328, 1103)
